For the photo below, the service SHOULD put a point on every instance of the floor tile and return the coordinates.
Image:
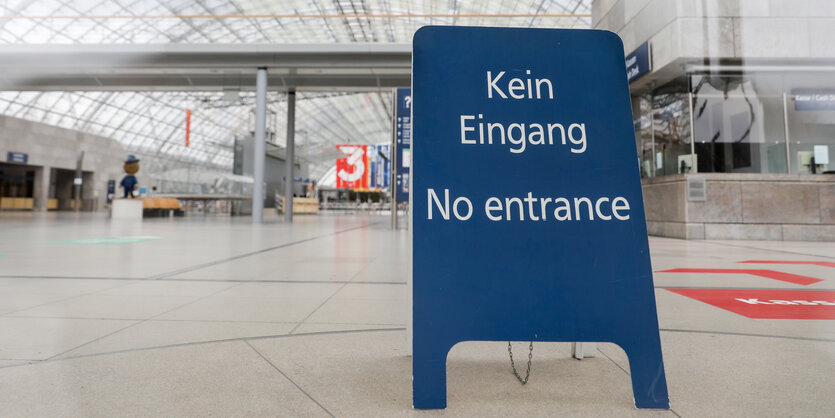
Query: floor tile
(42, 338)
(242, 309)
(209, 380)
(164, 333)
(108, 306)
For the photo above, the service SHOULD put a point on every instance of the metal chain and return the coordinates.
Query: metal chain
(513, 365)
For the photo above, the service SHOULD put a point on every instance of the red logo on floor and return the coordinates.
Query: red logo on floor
(813, 263)
(768, 304)
(770, 274)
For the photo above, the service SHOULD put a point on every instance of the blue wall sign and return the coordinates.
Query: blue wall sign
(379, 176)
(528, 215)
(638, 62)
(403, 141)
(17, 157)
(813, 99)
(111, 190)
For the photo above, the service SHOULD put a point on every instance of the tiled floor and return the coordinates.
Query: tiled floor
(219, 318)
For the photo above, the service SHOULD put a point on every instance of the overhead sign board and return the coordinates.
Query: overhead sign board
(638, 62)
(807, 99)
(17, 157)
(528, 218)
(403, 141)
(379, 164)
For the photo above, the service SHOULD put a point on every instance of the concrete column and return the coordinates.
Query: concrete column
(41, 189)
(260, 152)
(291, 150)
(77, 182)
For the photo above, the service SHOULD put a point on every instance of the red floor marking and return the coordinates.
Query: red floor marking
(817, 263)
(770, 274)
(768, 304)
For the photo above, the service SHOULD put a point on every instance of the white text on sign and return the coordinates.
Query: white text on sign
(519, 135)
(531, 208)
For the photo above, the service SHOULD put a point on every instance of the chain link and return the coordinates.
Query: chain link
(513, 365)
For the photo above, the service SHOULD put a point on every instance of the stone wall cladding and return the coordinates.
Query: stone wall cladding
(791, 207)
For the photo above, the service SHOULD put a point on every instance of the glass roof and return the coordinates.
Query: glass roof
(153, 123)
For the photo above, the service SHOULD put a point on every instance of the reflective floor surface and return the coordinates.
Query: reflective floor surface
(214, 317)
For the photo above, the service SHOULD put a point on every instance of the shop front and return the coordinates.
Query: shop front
(736, 154)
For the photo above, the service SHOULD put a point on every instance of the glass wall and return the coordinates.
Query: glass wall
(671, 133)
(746, 123)
(738, 126)
(643, 137)
(811, 117)
(662, 134)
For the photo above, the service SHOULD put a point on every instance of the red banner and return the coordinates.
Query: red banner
(188, 125)
(351, 170)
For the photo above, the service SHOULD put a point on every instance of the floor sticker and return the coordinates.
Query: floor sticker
(768, 304)
(814, 263)
(771, 274)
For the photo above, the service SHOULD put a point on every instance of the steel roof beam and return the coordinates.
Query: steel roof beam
(355, 67)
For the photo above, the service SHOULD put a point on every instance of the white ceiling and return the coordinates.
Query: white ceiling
(154, 122)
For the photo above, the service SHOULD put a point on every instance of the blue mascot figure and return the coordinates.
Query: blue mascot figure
(129, 182)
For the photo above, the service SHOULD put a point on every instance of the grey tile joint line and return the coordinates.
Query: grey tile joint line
(628, 374)
(768, 249)
(88, 318)
(744, 334)
(289, 379)
(227, 340)
(65, 299)
(83, 318)
(613, 361)
(23, 276)
(238, 257)
(140, 321)
(331, 296)
(174, 279)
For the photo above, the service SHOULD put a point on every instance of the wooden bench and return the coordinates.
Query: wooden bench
(161, 206)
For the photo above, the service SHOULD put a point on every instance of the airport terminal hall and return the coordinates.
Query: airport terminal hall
(417, 208)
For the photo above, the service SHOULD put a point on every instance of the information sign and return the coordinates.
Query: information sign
(638, 62)
(528, 218)
(403, 141)
(17, 157)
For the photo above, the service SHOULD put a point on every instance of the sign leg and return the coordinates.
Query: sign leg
(429, 377)
(649, 384)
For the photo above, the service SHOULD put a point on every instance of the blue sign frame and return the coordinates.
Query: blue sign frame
(527, 237)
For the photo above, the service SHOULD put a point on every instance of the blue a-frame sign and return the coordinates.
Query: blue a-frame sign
(528, 218)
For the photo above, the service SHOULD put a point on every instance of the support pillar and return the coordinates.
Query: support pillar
(288, 160)
(77, 182)
(260, 152)
(41, 189)
(788, 138)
